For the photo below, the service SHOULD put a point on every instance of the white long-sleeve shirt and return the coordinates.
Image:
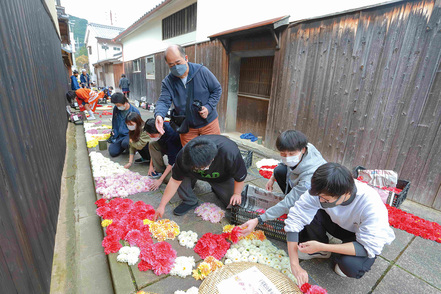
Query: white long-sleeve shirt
(366, 216)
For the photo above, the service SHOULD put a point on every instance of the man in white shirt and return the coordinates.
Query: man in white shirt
(348, 210)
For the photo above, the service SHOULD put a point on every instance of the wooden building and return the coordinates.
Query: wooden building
(363, 85)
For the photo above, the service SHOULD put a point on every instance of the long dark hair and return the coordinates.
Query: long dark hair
(136, 118)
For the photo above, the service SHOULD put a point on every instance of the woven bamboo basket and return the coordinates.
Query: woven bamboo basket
(282, 282)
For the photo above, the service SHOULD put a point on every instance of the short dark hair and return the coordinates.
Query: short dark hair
(199, 152)
(291, 140)
(118, 97)
(150, 126)
(123, 75)
(70, 96)
(111, 87)
(332, 179)
(75, 71)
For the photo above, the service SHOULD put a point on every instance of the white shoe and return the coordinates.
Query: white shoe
(320, 254)
(91, 117)
(339, 272)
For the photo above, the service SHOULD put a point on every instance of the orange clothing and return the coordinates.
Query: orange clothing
(210, 129)
(87, 96)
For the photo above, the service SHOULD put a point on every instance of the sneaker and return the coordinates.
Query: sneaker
(91, 117)
(184, 208)
(320, 254)
(155, 175)
(141, 160)
(339, 272)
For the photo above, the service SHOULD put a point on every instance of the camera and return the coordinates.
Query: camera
(198, 105)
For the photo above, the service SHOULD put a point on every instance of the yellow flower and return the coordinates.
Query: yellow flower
(106, 222)
(205, 268)
(228, 228)
(197, 274)
(147, 221)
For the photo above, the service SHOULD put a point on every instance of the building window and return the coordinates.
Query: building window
(179, 23)
(116, 49)
(150, 67)
(136, 66)
(90, 50)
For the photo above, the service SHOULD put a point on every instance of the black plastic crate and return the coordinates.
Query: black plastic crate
(273, 228)
(401, 184)
(247, 156)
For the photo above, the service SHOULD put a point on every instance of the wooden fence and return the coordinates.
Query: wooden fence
(33, 82)
(365, 87)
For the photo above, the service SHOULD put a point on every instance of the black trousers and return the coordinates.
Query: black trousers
(352, 266)
(144, 152)
(280, 176)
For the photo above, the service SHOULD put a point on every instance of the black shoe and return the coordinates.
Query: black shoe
(141, 160)
(184, 208)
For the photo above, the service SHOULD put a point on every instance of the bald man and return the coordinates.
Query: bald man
(194, 91)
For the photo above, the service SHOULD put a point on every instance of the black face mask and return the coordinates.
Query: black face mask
(330, 204)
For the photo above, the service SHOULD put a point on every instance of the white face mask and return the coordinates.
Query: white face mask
(121, 107)
(131, 127)
(292, 161)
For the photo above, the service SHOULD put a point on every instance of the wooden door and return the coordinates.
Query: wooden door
(254, 94)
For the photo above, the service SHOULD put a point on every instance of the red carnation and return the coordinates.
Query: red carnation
(133, 237)
(100, 202)
(316, 290)
(305, 287)
(111, 244)
(211, 244)
(144, 266)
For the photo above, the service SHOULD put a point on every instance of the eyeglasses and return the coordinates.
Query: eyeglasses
(327, 201)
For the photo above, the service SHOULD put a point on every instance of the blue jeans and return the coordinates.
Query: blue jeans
(120, 144)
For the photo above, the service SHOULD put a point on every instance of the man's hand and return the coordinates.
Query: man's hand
(204, 112)
(236, 199)
(128, 165)
(159, 123)
(159, 213)
(156, 184)
(151, 170)
(300, 274)
(248, 227)
(269, 184)
(310, 247)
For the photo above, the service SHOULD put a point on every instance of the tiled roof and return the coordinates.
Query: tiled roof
(104, 31)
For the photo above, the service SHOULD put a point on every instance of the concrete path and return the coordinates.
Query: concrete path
(409, 265)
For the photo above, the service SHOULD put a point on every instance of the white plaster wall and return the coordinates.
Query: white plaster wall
(218, 16)
(148, 38)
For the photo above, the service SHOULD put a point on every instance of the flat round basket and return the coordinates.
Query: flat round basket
(282, 282)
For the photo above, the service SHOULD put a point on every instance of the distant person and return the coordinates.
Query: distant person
(166, 144)
(120, 133)
(74, 85)
(346, 209)
(204, 92)
(300, 160)
(88, 100)
(85, 79)
(124, 85)
(139, 139)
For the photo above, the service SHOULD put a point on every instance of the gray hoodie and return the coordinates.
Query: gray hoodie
(300, 181)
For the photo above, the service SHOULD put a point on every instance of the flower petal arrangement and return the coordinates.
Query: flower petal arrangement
(183, 266)
(129, 224)
(209, 265)
(164, 229)
(113, 180)
(312, 289)
(212, 245)
(210, 212)
(128, 254)
(188, 239)
(255, 235)
(413, 224)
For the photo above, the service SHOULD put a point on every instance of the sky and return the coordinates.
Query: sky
(125, 12)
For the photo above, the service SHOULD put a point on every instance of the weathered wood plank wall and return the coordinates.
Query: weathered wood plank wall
(364, 87)
(33, 83)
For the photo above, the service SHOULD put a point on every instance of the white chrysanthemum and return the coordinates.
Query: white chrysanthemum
(183, 266)
(270, 263)
(277, 267)
(285, 262)
(124, 250)
(246, 253)
(132, 259)
(257, 243)
(285, 271)
(281, 252)
(292, 277)
(241, 249)
(252, 258)
(122, 258)
(236, 259)
(192, 290)
(261, 261)
(244, 258)
(228, 261)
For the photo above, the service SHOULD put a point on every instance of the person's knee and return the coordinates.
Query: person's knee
(353, 266)
(114, 150)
